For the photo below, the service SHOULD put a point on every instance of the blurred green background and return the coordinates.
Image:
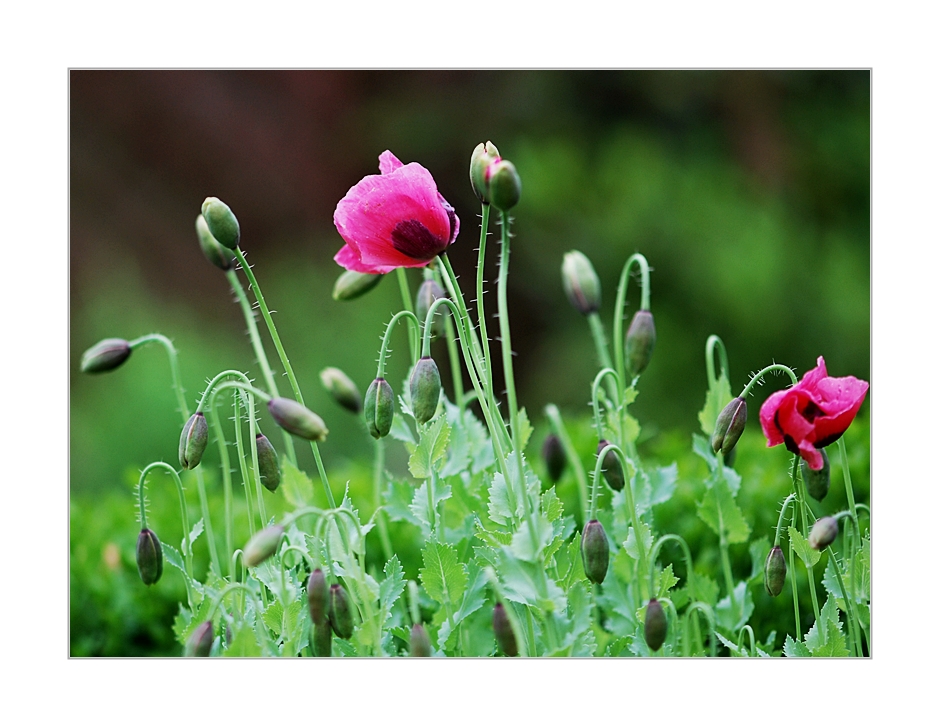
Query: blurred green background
(748, 191)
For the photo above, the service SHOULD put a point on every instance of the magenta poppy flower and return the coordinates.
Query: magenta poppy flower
(396, 219)
(812, 414)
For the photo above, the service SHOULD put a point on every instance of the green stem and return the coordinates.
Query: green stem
(554, 416)
(240, 450)
(387, 336)
(620, 303)
(793, 588)
(687, 554)
(226, 477)
(783, 509)
(755, 379)
(378, 479)
(611, 376)
(806, 513)
(711, 344)
(407, 305)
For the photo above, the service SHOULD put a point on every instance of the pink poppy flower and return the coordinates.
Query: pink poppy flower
(812, 414)
(396, 219)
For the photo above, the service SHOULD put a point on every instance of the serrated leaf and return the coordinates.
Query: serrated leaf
(296, 486)
(392, 585)
(862, 585)
(272, 616)
(430, 449)
(500, 510)
(703, 448)
(717, 398)
(664, 581)
(473, 599)
(758, 549)
(525, 428)
(444, 578)
(187, 545)
(244, 642)
(818, 635)
(795, 649)
(419, 506)
(732, 647)
(401, 431)
(705, 589)
(646, 538)
(835, 642)
(733, 617)
(808, 555)
(580, 639)
(525, 582)
(720, 512)
(524, 546)
(552, 507)
(398, 497)
(663, 483)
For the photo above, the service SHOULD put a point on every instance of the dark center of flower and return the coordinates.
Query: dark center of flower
(451, 216)
(413, 239)
(811, 411)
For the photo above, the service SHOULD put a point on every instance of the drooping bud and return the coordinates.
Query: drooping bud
(149, 557)
(105, 355)
(581, 284)
(554, 455)
(200, 640)
(817, 481)
(824, 533)
(595, 551)
(775, 571)
(420, 643)
(297, 419)
(341, 618)
(342, 389)
(268, 467)
(379, 408)
(221, 222)
(729, 426)
(318, 597)
(193, 440)
(322, 639)
(215, 253)
(350, 285)
(612, 469)
(641, 337)
(262, 545)
(502, 628)
(425, 388)
(427, 294)
(480, 160)
(503, 185)
(655, 626)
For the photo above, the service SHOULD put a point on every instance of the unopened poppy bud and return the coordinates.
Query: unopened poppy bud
(641, 337)
(379, 408)
(322, 639)
(215, 253)
(222, 224)
(262, 545)
(425, 389)
(554, 455)
(268, 467)
(342, 389)
(341, 618)
(318, 597)
(193, 440)
(775, 571)
(502, 629)
(297, 419)
(581, 284)
(480, 160)
(817, 481)
(149, 557)
(105, 355)
(612, 469)
(350, 285)
(503, 185)
(200, 641)
(595, 551)
(655, 626)
(420, 643)
(427, 294)
(824, 533)
(729, 426)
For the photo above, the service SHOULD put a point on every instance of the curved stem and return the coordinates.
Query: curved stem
(386, 338)
(755, 379)
(783, 509)
(619, 305)
(226, 468)
(378, 479)
(407, 305)
(793, 588)
(685, 552)
(706, 609)
(481, 309)
(711, 344)
(600, 344)
(554, 416)
(611, 376)
(750, 632)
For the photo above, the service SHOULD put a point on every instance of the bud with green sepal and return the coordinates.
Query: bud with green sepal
(193, 441)
(595, 551)
(824, 533)
(297, 419)
(342, 389)
(351, 285)
(149, 557)
(105, 355)
(341, 618)
(268, 466)
(729, 426)
(817, 481)
(200, 640)
(581, 284)
(502, 629)
(222, 223)
(775, 571)
(503, 185)
(655, 625)
(379, 408)
(262, 545)
(430, 291)
(322, 639)
(554, 455)
(215, 253)
(318, 597)
(641, 337)
(425, 386)
(420, 643)
(483, 156)
(612, 469)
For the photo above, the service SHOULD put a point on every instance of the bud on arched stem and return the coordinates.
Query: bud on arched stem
(692, 611)
(687, 554)
(713, 343)
(640, 261)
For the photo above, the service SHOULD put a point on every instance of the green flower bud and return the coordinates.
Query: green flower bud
(262, 545)
(341, 618)
(351, 285)
(581, 284)
(824, 533)
(193, 441)
(318, 597)
(641, 337)
(595, 551)
(655, 626)
(222, 224)
(503, 185)
(342, 389)
(425, 387)
(268, 467)
(200, 640)
(105, 355)
(502, 628)
(215, 253)
(379, 408)
(554, 455)
(427, 294)
(612, 469)
(729, 426)
(297, 419)
(149, 557)
(817, 481)
(322, 639)
(480, 160)
(775, 571)
(420, 643)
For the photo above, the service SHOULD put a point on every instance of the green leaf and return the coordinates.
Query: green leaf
(664, 581)
(187, 545)
(522, 542)
(580, 639)
(525, 582)
(272, 616)
(392, 585)
(431, 448)
(468, 432)
(795, 649)
(401, 431)
(646, 537)
(758, 549)
(808, 555)
(862, 585)
(663, 483)
(720, 512)
(499, 507)
(398, 497)
(419, 506)
(296, 486)
(825, 638)
(717, 398)
(705, 589)
(732, 618)
(473, 599)
(552, 507)
(443, 576)
(244, 642)
(525, 429)
(835, 642)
